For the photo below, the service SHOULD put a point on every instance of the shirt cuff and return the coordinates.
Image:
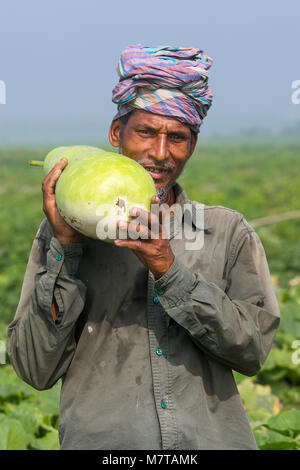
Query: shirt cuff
(63, 259)
(173, 287)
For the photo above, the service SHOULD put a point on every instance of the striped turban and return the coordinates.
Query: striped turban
(171, 81)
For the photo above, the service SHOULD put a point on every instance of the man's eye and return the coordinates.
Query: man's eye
(175, 137)
(146, 132)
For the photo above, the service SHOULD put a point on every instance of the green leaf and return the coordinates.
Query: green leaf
(286, 422)
(13, 435)
(259, 403)
(48, 442)
(279, 365)
(267, 439)
(290, 319)
(47, 400)
(11, 386)
(238, 377)
(28, 415)
(289, 396)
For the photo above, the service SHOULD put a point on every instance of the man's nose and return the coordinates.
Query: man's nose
(159, 150)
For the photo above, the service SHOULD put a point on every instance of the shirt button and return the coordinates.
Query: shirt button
(58, 257)
(159, 352)
(163, 404)
(156, 300)
(161, 291)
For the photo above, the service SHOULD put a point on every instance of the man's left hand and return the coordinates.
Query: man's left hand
(152, 247)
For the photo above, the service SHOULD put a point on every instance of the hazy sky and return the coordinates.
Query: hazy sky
(58, 60)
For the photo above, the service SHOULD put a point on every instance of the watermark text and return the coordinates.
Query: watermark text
(296, 354)
(2, 92)
(296, 94)
(183, 222)
(2, 352)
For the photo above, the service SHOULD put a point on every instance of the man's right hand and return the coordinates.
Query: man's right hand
(61, 230)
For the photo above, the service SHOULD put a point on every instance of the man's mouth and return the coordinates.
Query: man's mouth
(157, 173)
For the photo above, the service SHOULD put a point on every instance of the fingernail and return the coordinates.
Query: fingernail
(133, 211)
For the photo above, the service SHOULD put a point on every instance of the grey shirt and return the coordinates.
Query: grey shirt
(145, 363)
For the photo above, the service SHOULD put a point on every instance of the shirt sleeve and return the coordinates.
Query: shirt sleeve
(236, 328)
(41, 349)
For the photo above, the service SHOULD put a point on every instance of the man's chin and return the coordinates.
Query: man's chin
(163, 192)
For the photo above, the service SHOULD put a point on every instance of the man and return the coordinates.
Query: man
(145, 333)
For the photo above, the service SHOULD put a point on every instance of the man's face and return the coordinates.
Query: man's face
(162, 145)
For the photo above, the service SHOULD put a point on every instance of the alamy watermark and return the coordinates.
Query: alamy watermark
(187, 223)
(2, 92)
(296, 94)
(2, 352)
(296, 354)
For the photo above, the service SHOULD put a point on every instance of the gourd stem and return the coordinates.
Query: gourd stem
(36, 163)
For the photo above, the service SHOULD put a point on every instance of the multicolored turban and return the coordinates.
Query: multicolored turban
(171, 81)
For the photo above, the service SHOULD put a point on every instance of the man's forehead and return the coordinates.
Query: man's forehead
(157, 121)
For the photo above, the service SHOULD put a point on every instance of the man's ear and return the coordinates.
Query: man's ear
(194, 139)
(115, 132)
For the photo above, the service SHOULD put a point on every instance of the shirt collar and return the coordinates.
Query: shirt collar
(181, 199)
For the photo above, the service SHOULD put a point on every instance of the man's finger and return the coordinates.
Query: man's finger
(144, 217)
(132, 230)
(61, 164)
(136, 245)
(49, 182)
(151, 219)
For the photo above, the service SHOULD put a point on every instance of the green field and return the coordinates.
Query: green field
(258, 180)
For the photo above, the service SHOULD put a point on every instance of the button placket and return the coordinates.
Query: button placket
(158, 340)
